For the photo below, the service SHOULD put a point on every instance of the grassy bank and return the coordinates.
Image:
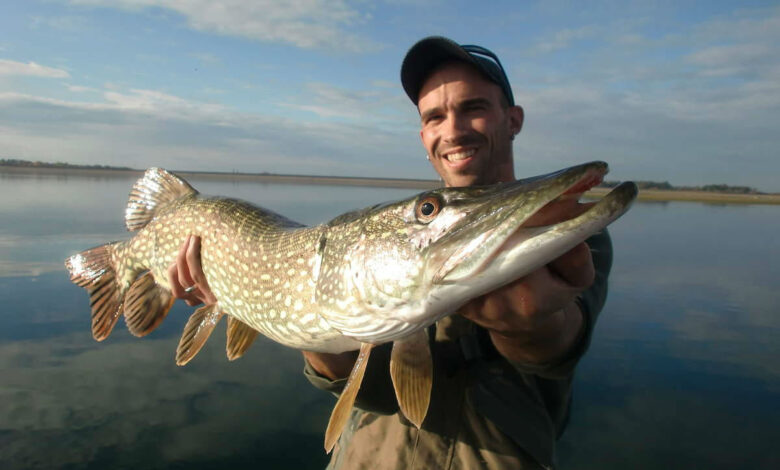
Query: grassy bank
(695, 196)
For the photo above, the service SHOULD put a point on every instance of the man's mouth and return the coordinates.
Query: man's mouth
(460, 156)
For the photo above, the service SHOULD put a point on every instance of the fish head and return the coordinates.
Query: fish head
(411, 262)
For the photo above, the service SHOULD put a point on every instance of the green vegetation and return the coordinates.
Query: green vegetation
(666, 186)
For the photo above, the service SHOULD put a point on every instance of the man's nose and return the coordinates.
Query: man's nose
(456, 127)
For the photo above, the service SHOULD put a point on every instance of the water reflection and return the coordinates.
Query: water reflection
(683, 369)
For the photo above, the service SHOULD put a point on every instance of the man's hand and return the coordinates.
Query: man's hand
(186, 275)
(535, 319)
(187, 272)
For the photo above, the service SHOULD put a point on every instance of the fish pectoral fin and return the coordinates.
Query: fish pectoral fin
(411, 369)
(146, 305)
(340, 414)
(196, 332)
(239, 337)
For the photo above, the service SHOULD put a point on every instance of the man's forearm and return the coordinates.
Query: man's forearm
(332, 366)
(549, 341)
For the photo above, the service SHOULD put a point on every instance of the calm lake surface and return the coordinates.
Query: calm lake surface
(684, 370)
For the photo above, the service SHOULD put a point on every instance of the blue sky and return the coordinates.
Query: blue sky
(686, 92)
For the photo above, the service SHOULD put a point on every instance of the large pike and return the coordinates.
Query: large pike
(367, 277)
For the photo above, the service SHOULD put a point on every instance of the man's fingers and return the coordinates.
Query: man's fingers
(182, 264)
(575, 267)
(173, 279)
(193, 298)
(195, 271)
(181, 278)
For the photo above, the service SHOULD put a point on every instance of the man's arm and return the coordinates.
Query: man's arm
(332, 366)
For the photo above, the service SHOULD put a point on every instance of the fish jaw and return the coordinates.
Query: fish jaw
(528, 249)
(500, 214)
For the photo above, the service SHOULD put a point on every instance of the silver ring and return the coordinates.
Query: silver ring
(190, 289)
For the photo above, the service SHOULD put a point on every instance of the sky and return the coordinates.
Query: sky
(680, 91)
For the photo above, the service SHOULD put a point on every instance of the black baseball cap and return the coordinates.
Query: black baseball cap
(430, 52)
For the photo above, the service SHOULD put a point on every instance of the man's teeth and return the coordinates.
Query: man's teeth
(454, 157)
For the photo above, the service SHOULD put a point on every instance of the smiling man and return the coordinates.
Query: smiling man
(467, 126)
(503, 365)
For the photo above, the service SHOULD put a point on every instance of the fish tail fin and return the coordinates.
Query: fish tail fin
(94, 270)
(155, 190)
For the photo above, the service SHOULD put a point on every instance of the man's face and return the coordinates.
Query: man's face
(466, 129)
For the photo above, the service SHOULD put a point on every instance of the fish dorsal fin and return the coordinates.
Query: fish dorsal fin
(146, 305)
(239, 337)
(196, 332)
(411, 369)
(340, 414)
(154, 190)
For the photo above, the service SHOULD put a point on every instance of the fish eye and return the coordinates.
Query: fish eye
(427, 208)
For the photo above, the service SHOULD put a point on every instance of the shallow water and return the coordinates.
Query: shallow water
(683, 371)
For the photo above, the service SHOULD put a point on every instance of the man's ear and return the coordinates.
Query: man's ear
(516, 116)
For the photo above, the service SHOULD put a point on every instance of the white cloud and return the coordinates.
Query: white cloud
(30, 69)
(70, 24)
(563, 38)
(678, 107)
(378, 105)
(323, 24)
(205, 58)
(141, 128)
(81, 89)
(746, 59)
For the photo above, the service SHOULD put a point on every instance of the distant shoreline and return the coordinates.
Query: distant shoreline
(421, 184)
(667, 195)
(254, 177)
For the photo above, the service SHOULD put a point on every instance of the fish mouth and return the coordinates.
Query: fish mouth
(545, 220)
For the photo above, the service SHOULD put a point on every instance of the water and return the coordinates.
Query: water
(684, 370)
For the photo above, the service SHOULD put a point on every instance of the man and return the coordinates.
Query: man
(503, 365)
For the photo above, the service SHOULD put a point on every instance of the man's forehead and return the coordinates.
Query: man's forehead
(469, 79)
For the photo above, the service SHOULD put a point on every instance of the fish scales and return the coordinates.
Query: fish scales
(258, 264)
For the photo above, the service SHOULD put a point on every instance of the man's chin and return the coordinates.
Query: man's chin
(461, 173)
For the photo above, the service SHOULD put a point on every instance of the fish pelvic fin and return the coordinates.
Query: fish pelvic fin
(146, 305)
(239, 337)
(94, 270)
(155, 190)
(343, 408)
(411, 369)
(196, 332)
